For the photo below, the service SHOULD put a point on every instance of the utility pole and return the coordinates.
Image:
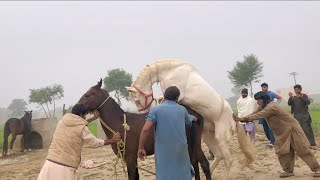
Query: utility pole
(294, 74)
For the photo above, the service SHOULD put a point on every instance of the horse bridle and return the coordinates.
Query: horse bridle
(146, 96)
(103, 102)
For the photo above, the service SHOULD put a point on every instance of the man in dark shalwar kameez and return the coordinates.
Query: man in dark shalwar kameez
(299, 108)
(290, 138)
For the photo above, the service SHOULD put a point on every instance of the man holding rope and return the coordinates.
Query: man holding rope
(64, 154)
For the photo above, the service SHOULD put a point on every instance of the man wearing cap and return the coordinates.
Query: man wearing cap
(290, 136)
(246, 105)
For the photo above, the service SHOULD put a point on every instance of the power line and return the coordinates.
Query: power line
(294, 74)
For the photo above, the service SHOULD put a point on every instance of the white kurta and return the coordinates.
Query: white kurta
(246, 106)
(53, 171)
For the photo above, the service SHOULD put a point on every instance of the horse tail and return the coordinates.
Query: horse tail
(6, 133)
(246, 145)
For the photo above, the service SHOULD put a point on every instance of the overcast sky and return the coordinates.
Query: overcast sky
(76, 43)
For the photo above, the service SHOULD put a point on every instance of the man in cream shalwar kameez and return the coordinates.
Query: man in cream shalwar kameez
(64, 154)
(290, 137)
(246, 105)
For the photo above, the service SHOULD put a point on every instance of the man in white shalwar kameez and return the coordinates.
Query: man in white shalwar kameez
(246, 106)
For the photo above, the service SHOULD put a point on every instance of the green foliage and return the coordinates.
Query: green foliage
(315, 116)
(45, 96)
(93, 128)
(17, 108)
(116, 81)
(246, 72)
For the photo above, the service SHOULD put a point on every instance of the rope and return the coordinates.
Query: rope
(103, 103)
(143, 169)
(121, 144)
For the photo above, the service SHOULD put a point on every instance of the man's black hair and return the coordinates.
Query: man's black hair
(297, 86)
(264, 96)
(79, 110)
(244, 91)
(172, 93)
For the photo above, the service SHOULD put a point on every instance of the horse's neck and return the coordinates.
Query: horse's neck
(151, 75)
(112, 115)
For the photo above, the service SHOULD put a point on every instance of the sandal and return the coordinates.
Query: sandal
(287, 174)
(314, 147)
(316, 174)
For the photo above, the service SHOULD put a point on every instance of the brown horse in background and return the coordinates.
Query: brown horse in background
(16, 127)
(112, 114)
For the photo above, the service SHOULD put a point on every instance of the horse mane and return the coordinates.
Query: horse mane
(160, 65)
(114, 104)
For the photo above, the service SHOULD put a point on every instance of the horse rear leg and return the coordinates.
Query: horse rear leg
(11, 144)
(220, 140)
(6, 134)
(195, 166)
(204, 163)
(211, 142)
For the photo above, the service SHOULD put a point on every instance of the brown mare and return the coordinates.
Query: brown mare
(112, 114)
(16, 127)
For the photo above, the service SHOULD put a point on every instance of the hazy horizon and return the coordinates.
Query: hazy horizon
(75, 43)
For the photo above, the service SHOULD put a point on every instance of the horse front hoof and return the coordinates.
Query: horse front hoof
(29, 150)
(24, 151)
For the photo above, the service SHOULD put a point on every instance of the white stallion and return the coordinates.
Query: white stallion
(196, 93)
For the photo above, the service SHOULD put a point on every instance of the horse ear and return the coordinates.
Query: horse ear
(131, 89)
(30, 111)
(100, 83)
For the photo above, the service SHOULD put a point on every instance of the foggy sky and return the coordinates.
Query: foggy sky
(76, 43)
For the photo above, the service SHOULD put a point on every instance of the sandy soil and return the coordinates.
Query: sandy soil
(27, 165)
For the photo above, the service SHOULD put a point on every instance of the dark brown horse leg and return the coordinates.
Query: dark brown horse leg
(195, 166)
(5, 140)
(25, 139)
(11, 143)
(133, 173)
(27, 142)
(204, 164)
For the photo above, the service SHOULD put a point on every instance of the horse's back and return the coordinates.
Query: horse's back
(12, 124)
(12, 120)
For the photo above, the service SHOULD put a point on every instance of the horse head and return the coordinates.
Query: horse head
(93, 98)
(141, 99)
(28, 115)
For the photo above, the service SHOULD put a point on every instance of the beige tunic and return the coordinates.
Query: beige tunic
(53, 171)
(287, 130)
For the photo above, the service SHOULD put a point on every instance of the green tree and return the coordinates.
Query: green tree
(17, 107)
(45, 97)
(116, 81)
(246, 72)
(236, 94)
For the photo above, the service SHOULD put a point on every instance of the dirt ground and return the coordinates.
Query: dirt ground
(266, 167)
